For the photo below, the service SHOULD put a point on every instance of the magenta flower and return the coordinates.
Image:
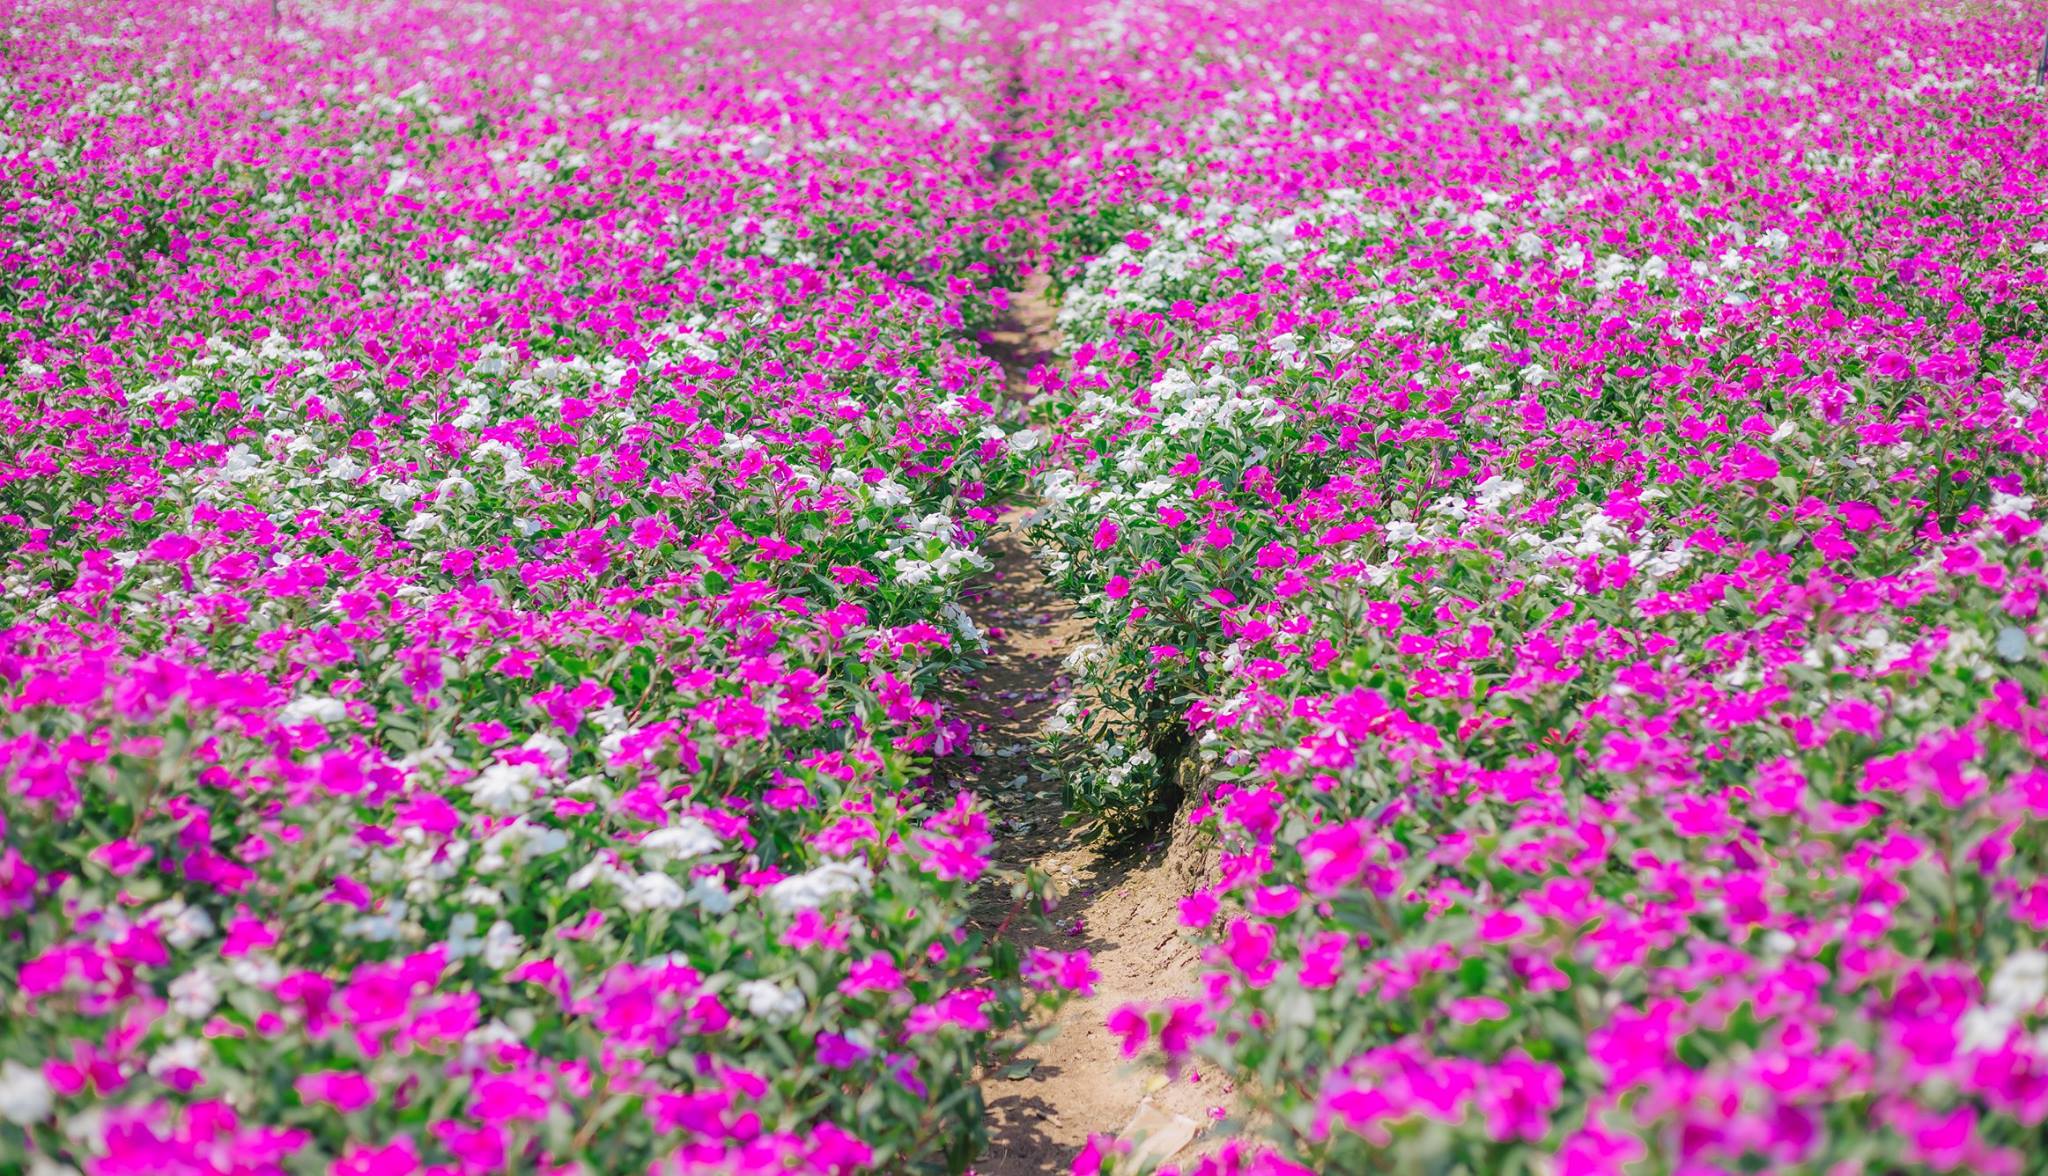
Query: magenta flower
(345, 1091)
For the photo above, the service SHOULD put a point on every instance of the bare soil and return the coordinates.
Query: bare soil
(1121, 904)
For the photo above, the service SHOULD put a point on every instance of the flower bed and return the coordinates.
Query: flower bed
(486, 489)
(1569, 494)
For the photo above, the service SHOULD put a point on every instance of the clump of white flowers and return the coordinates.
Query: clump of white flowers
(2017, 988)
(810, 890)
(505, 788)
(25, 1095)
(770, 1001)
(683, 841)
(312, 708)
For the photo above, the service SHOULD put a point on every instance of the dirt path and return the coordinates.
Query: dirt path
(1122, 908)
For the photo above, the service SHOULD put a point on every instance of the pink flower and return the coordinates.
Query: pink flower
(122, 857)
(1129, 1023)
(172, 548)
(839, 1053)
(1070, 971)
(1199, 909)
(1859, 516)
(964, 1010)
(1185, 1024)
(503, 1098)
(1752, 465)
(1471, 1010)
(1333, 857)
(246, 935)
(343, 1090)
(400, 1158)
(875, 974)
(18, 882)
(1095, 1154)
(480, 1149)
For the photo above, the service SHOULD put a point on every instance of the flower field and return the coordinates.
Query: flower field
(492, 495)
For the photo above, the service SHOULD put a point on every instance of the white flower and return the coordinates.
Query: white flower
(502, 945)
(1496, 492)
(426, 865)
(312, 708)
(809, 891)
(1297, 1009)
(599, 870)
(504, 788)
(2011, 505)
(710, 894)
(194, 994)
(511, 459)
(1449, 505)
(913, 572)
(770, 1001)
(652, 892)
(460, 930)
(1086, 654)
(482, 896)
(1666, 562)
(686, 839)
(556, 750)
(1061, 721)
(25, 1096)
(2020, 984)
(477, 409)
(260, 971)
(181, 925)
(399, 493)
(2012, 643)
(521, 841)
(381, 928)
(964, 625)
(1981, 1030)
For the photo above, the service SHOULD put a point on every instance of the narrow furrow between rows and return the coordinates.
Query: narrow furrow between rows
(1116, 901)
